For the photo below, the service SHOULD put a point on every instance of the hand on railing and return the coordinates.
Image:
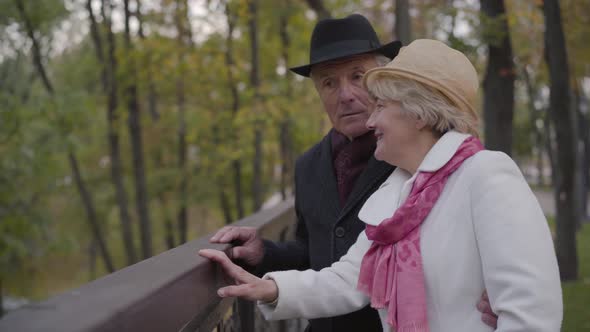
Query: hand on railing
(247, 285)
(249, 247)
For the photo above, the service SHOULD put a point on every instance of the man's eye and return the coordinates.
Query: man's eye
(358, 76)
(328, 83)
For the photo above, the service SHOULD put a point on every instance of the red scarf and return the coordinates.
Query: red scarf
(350, 158)
(391, 271)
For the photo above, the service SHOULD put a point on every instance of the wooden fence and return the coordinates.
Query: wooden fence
(173, 291)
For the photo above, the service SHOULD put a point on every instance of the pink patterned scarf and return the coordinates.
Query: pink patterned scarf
(391, 271)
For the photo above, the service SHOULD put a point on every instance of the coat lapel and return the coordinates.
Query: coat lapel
(328, 178)
(376, 171)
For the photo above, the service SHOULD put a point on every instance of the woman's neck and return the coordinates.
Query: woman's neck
(418, 151)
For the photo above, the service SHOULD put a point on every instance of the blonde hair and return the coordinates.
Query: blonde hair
(424, 102)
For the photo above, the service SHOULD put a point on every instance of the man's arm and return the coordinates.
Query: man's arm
(291, 255)
(260, 256)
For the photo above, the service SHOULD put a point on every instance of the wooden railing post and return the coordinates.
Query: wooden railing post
(246, 314)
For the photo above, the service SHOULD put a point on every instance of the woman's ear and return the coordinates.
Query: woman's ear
(420, 123)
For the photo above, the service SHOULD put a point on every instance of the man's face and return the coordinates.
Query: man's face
(339, 84)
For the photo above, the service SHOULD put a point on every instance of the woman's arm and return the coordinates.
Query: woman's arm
(306, 294)
(329, 292)
(518, 259)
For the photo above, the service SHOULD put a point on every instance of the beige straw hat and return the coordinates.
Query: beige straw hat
(434, 64)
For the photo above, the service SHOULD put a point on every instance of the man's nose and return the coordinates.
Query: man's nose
(346, 93)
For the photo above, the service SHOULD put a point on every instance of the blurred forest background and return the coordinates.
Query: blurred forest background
(128, 127)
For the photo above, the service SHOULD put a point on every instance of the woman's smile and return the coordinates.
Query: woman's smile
(378, 135)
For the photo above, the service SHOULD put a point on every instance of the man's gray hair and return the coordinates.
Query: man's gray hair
(381, 59)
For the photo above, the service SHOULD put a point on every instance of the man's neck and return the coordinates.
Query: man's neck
(352, 138)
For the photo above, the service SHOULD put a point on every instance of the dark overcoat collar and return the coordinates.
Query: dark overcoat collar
(375, 172)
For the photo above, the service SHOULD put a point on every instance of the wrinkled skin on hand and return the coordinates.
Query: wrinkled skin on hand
(247, 285)
(249, 248)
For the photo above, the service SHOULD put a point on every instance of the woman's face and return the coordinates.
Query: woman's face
(396, 131)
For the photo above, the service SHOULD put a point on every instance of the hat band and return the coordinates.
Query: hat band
(341, 49)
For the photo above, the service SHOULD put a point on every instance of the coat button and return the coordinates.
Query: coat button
(339, 231)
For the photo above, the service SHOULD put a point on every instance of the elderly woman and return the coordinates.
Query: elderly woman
(451, 221)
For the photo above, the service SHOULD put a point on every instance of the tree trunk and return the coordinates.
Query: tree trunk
(36, 49)
(152, 95)
(109, 87)
(135, 132)
(580, 123)
(92, 261)
(534, 116)
(285, 139)
(318, 7)
(549, 146)
(169, 233)
(498, 84)
(168, 223)
(230, 64)
(73, 161)
(183, 40)
(1, 299)
(562, 117)
(91, 213)
(403, 22)
(182, 190)
(585, 137)
(169, 229)
(225, 207)
(540, 161)
(238, 191)
(255, 83)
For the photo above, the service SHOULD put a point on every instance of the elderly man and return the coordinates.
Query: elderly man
(335, 177)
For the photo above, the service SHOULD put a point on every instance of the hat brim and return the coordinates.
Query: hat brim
(459, 100)
(389, 50)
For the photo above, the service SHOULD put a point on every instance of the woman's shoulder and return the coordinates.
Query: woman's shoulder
(492, 170)
(487, 161)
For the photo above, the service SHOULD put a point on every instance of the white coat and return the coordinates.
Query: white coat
(486, 232)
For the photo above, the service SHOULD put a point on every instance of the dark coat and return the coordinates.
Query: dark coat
(324, 230)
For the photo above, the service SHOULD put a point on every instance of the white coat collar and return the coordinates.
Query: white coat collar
(383, 202)
(442, 151)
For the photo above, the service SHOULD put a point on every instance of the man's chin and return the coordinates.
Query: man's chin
(353, 133)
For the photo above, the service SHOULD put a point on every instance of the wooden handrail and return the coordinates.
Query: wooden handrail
(173, 291)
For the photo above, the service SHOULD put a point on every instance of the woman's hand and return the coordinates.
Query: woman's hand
(247, 285)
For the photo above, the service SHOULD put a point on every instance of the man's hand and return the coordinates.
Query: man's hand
(249, 247)
(247, 285)
(487, 315)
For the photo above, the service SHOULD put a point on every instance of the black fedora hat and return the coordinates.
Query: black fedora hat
(338, 38)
